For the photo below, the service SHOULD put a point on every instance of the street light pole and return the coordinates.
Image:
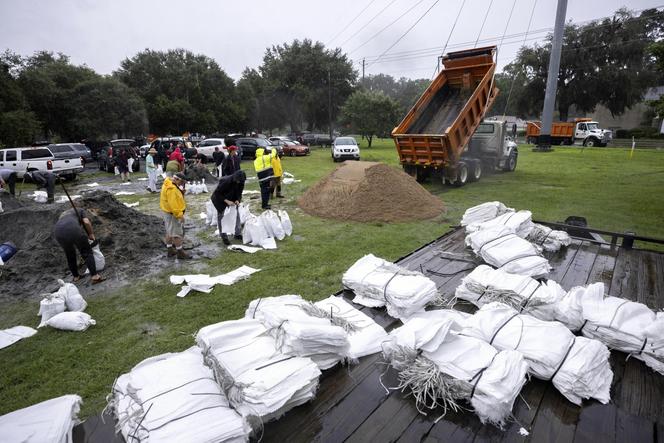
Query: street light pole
(329, 102)
(544, 139)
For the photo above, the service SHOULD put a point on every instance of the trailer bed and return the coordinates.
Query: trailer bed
(352, 405)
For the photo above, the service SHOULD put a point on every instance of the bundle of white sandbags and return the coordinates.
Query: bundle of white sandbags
(49, 421)
(173, 398)
(500, 247)
(301, 329)
(365, 336)
(67, 298)
(520, 222)
(545, 300)
(578, 367)
(483, 212)
(377, 282)
(265, 229)
(441, 367)
(621, 324)
(257, 379)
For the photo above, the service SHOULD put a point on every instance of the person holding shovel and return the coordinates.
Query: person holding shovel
(73, 231)
(43, 179)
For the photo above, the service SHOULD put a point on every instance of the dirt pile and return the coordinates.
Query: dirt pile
(129, 240)
(370, 191)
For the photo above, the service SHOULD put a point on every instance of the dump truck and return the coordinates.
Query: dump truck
(435, 137)
(583, 131)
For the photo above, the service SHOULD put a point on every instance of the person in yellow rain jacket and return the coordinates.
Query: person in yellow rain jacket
(173, 206)
(278, 173)
(265, 173)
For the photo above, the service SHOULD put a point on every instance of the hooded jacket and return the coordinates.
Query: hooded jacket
(171, 199)
(276, 166)
(263, 164)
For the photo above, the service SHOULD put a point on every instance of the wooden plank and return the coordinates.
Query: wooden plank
(659, 432)
(458, 426)
(597, 422)
(525, 410)
(417, 430)
(562, 259)
(577, 272)
(602, 269)
(632, 428)
(388, 421)
(624, 282)
(556, 418)
(646, 283)
(659, 282)
(641, 393)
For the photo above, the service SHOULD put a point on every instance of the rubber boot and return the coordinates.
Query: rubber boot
(182, 255)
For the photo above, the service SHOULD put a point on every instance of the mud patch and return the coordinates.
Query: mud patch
(370, 192)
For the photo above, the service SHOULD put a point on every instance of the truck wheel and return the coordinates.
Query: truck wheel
(475, 171)
(461, 175)
(510, 163)
(590, 142)
(422, 175)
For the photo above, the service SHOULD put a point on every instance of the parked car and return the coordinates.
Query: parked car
(292, 148)
(71, 150)
(208, 145)
(143, 150)
(38, 159)
(247, 146)
(280, 138)
(107, 158)
(345, 148)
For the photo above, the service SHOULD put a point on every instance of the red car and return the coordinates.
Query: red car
(292, 148)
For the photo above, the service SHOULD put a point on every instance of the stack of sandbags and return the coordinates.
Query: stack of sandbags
(49, 421)
(173, 398)
(265, 229)
(483, 212)
(365, 336)
(545, 300)
(67, 298)
(301, 329)
(257, 379)
(520, 222)
(500, 247)
(622, 324)
(577, 366)
(441, 367)
(377, 282)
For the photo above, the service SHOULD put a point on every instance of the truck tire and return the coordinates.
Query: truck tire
(475, 171)
(461, 175)
(510, 163)
(590, 142)
(422, 175)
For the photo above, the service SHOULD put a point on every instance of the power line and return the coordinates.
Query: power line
(391, 23)
(408, 30)
(367, 23)
(483, 22)
(351, 22)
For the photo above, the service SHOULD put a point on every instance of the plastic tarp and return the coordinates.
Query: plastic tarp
(366, 336)
(623, 325)
(300, 329)
(577, 366)
(257, 379)
(377, 282)
(174, 398)
(10, 336)
(49, 421)
(500, 247)
(440, 366)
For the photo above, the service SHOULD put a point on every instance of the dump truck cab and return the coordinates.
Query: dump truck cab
(493, 146)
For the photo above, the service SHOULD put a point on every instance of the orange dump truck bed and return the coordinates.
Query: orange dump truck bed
(438, 127)
(558, 129)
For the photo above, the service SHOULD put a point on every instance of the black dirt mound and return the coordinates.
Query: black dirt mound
(198, 173)
(128, 239)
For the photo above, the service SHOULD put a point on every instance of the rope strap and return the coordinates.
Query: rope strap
(616, 313)
(508, 218)
(256, 307)
(529, 297)
(479, 375)
(388, 282)
(519, 257)
(501, 327)
(483, 293)
(563, 360)
(491, 241)
(643, 346)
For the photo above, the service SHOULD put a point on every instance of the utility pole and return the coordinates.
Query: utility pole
(329, 102)
(544, 139)
(362, 69)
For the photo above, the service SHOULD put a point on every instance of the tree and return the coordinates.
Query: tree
(262, 109)
(656, 50)
(19, 127)
(296, 78)
(601, 63)
(182, 91)
(405, 91)
(371, 113)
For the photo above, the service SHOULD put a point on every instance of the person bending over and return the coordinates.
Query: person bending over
(73, 231)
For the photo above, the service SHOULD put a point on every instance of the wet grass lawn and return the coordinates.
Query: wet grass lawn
(145, 318)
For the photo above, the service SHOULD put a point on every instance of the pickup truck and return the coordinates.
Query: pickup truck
(22, 160)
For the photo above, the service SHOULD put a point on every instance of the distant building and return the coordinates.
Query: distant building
(633, 117)
(511, 119)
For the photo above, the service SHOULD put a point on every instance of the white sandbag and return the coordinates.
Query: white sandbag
(50, 306)
(1, 210)
(210, 214)
(10, 336)
(117, 171)
(484, 212)
(204, 187)
(441, 367)
(40, 196)
(285, 222)
(269, 243)
(577, 366)
(49, 421)
(130, 164)
(273, 224)
(244, 212)
(132, 205)
(500, 247)
(549, 239)
(236, 275)
(254, 232)
(377, 282)
(174, 398)
(73, 299)
(71, 321)
(229, 220)
(520, 222)
(243, 248)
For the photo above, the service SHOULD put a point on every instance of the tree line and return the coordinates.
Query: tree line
(303, 85)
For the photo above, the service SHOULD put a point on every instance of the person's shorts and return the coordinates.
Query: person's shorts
(174, 226)
(172, 166)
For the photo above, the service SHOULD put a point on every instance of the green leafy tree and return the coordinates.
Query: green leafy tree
(405, 91)
(263, 109)
(296, 79)
(371, 114)
(182, 91)
(19, 127)
(656, 50)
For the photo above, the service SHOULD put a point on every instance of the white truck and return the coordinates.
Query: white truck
(22, 160)
(580, 131)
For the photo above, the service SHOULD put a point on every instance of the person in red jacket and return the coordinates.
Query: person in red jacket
(178, 157)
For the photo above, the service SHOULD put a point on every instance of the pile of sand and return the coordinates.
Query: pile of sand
(370, 191)
(129, 240)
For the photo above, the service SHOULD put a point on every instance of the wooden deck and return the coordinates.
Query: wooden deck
(351, 405)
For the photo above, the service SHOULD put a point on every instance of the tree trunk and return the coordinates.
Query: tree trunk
(564, 113)
(370, 138)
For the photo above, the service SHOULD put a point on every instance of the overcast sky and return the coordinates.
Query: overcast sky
(101, 34)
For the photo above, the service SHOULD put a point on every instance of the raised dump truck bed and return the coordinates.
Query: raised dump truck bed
(436, 131)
